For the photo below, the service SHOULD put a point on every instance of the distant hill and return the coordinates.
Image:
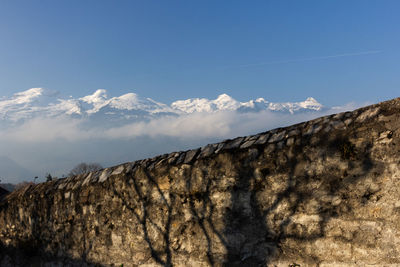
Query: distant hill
(12, 171)
(3, 193)
(9, 187)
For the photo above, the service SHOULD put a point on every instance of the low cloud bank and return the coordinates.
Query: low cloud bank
(222, 124)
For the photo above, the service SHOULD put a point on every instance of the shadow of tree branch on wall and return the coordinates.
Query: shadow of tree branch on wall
(203, 211)
(138, 199)
(281, 191)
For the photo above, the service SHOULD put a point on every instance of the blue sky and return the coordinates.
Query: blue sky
(334, 51)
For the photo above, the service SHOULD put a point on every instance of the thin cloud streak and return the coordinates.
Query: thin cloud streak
(311, 58)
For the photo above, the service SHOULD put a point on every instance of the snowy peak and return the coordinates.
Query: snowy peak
(310, 103)
(132, 101)
(95, 101)
(128, 101)
(27, 96)
(97, 97)
(22, 98)
(19, 105)
(193, 105)
(223, 102)
(65, 106)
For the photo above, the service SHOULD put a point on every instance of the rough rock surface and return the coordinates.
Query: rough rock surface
(320, 193)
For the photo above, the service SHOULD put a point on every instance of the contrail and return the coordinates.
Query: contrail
(312, 58)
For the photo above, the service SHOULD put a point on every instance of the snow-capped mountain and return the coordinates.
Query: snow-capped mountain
(39, 102)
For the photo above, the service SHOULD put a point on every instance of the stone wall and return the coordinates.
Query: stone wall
(320, 193)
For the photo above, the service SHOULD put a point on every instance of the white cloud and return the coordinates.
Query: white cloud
(222, 124)
(196, 125)
(46, 130)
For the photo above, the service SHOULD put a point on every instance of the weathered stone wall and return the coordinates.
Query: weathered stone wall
(320, 193)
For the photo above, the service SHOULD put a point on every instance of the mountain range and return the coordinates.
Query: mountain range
(9, 169)
(39, 102)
